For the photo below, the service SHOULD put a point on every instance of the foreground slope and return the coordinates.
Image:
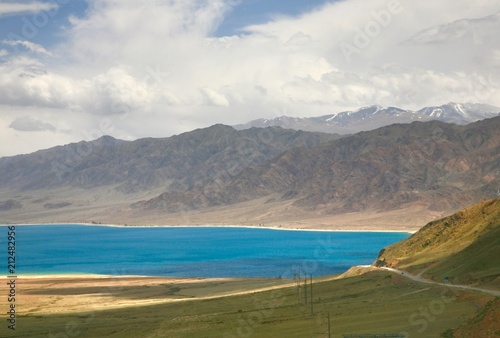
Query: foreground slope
(378, 302)
(462, 248)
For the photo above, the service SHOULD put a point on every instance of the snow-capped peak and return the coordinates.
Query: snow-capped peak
(371, 117)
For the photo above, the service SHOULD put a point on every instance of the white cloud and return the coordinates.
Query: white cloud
(214, 98)
(32, 47)
(29, 123)
(11, 8)
(153, 68)
(114, 92)
(3, 52)
(26, 82)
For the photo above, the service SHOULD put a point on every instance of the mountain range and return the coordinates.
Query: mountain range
(440, 164)
(177, 162)
(397, 174)
(372, 117)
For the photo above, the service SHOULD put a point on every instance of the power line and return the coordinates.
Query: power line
(329, 332)
(312, 306)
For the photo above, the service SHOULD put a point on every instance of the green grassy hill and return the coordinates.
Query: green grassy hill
(463, 247)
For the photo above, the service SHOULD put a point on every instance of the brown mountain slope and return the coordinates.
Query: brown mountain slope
(442, 166)
(177, 162)
(463, 247)
(484, 324)
(95, 180)
(396, 176)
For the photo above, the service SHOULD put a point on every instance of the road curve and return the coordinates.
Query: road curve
(423, 280)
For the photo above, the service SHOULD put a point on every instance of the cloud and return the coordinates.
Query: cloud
(469, 29)
(3, 52)
(28, 123)
(214, 98)
(284, 53)
(26, 82)
(154, 67)
(11, 8)
(114, 92)
(110, 29)
(467, 45)
(32, 47)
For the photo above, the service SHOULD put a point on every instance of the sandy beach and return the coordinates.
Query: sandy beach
(282, 228)
(50, 294)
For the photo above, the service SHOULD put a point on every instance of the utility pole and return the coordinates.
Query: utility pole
(305, 288)
(329, 333)
(298, 287)
(297, 281)
(312, 307)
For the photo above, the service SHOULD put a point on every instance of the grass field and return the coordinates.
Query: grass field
(376, 302)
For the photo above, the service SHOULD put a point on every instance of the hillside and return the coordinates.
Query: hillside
(85, 181)
(176, 162)
(441, 166)
(463, 247)
(398, 177)
(125, 169)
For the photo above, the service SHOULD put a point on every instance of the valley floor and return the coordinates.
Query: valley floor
(365, 300)
(111, 208)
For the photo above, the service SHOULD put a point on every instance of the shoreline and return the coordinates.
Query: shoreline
(218, 226)
(91, 276)
(96, 277)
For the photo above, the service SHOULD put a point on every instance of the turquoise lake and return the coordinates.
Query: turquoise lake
(191, 251)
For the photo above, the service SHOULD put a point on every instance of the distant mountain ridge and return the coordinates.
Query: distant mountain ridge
(258, 175)
(177, 162)
(372, 117)
(443, 165)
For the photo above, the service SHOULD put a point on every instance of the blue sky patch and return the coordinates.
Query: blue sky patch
(252, 12)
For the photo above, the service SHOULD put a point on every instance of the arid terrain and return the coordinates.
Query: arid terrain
(394, 177)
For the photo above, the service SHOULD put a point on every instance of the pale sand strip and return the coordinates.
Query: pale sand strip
(223, 226)
(45, 294)
(51, 294)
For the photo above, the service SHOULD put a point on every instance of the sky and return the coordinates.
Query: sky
(73, 70)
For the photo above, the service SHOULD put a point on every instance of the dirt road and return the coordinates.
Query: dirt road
(423, 280)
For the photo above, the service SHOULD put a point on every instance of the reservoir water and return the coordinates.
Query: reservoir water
(191, 251)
